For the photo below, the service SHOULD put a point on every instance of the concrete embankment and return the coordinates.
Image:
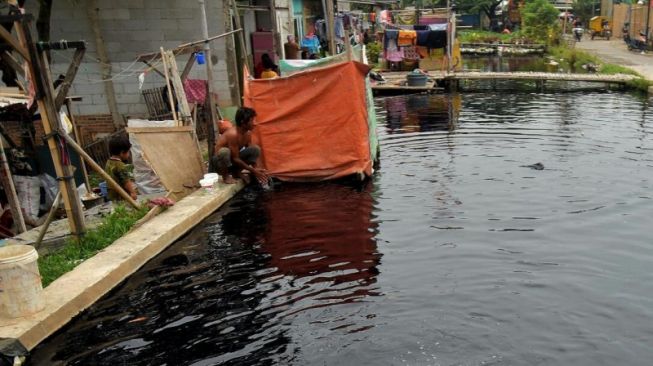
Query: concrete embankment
(77, 290)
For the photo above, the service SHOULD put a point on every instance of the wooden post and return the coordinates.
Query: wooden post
(331, 22)
(10, 190)
(209, 82)
(92, 13)
(171, 99)
(278, 45)
(38, 69)
(77, 138)
(241, 38)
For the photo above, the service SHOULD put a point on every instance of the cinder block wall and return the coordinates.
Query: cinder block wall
(130, 28)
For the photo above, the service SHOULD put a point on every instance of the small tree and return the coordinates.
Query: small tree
(540, 21)
(488, 7)
(583, 9)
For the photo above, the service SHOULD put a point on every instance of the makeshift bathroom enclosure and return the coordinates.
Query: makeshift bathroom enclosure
(314, 125)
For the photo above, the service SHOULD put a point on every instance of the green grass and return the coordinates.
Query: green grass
(115, 225)
(573, 60)
(479, 36)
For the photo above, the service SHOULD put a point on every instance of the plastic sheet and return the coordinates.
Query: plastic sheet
(146, 179)
(313, 125)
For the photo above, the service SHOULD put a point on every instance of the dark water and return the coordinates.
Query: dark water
(457, 253)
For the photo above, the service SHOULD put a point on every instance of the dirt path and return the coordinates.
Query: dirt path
(616, 52)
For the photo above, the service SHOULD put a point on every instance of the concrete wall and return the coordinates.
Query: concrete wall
(130, 28)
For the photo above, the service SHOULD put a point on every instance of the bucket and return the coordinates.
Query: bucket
(415, 79)
(20, 282)
(207, 184)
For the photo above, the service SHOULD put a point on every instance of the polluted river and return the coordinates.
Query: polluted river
(502, 228)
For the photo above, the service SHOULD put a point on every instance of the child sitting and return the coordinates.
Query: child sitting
(117, 168)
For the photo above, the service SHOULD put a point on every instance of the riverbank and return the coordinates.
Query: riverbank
(616, 52)
(77, 290)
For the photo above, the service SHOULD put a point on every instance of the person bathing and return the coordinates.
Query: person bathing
(234, 151)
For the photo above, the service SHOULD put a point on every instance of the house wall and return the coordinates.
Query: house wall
(130, 28)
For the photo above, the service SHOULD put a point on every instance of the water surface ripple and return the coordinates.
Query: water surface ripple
(461, 251)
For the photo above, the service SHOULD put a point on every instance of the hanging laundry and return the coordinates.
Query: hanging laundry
(436, 39)
(395, 56)
(438, 27)
(321, 29)
(405, 18)
(410, 53)
(339, 27)
(406, 38)
(422, 37)
(390, 39)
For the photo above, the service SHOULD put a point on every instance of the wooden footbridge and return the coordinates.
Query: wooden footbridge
(396, 81)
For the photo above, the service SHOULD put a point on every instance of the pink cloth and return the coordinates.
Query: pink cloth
(195, 90)
(395, 56)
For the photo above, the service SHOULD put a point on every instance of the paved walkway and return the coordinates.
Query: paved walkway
(616, 52)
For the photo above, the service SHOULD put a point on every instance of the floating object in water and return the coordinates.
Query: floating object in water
(553, 63)
(536, 166)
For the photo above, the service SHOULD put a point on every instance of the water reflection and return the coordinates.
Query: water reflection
(227, 292)
(422, 112)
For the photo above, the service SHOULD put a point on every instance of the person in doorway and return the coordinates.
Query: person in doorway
(234, 151)
(118, 169)
(270, 69)
(291, 48)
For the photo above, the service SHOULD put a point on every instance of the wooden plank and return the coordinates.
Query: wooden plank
(188, 67)
(175, 159)
(9, 59)
(159, 129)
(14, 43)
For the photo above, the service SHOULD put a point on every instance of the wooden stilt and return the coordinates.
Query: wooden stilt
(10, 190)
(39, 72)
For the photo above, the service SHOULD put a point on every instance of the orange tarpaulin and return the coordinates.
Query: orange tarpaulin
(312, 126)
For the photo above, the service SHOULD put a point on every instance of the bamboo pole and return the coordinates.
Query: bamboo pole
(170, 97)
(210, 140)
(109, 90)
(77, 138)
(112, 183)
(48, 220)
(10, 190)
(39, 73)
